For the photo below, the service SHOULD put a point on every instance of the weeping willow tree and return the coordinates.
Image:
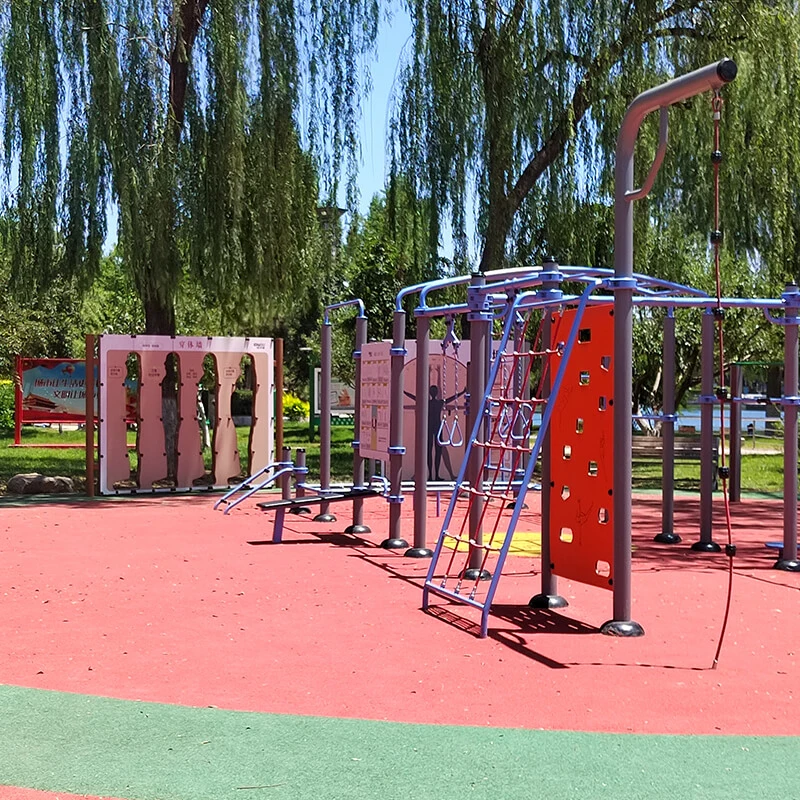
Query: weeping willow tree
(509, 109)
(183, 117)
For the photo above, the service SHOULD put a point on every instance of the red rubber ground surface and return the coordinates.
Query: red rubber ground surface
(166, 600)
(15, 793)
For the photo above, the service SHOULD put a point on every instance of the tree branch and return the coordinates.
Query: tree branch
(582, 99)
(189, 22)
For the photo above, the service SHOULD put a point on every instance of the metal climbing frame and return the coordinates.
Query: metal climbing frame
(467, 564)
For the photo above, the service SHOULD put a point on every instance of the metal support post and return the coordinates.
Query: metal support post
(480, 329)
(396, 448)
(735, 447)
(279, 396)
(286, 478)
(549, 596)
(708, 400)
(89, 365)
(422, 441)
(788, 561)
(668, 535)
(358, 525)
(326, 355)
(300, 475)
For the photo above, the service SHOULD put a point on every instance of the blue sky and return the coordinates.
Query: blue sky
(375, 112)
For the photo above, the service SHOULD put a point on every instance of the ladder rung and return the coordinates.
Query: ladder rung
(471, 542)
(444, 592)
(534, 401)
(488, 495)
(511, 448)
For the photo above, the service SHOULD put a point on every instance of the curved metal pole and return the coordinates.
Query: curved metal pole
(708, 78)
(345, 304)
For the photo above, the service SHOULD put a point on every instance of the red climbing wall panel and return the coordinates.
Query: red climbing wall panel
(582, 454)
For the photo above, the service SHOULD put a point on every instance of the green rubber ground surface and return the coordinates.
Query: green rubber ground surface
(144, 751)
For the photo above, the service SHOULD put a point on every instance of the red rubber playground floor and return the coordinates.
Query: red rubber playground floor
(141, 634)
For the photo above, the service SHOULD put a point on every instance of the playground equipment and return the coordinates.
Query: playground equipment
(151, 353)
(606, 507)
(578, 345)
(449, 432)
(282, 472)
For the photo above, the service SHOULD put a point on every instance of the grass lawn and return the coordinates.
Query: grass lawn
(761, 472)
(71, 462)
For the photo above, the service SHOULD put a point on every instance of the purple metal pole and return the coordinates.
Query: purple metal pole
(480, 323)
(421, 442)
(668, 535)
(707, 400)
(358, 525)
(735, 480)
(788, 561)
(549, 596)
(396, 448)
(326, 350)
(286, 478)
(707, 78)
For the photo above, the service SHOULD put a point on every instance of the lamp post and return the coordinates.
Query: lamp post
(328, 216)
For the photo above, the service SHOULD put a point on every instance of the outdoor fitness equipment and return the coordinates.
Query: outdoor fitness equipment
(626, 289)
(283, 471)
(449, 434)
(188, 353)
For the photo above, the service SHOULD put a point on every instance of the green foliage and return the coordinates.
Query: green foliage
(294, 408)
(185, 115)
(515, 112)
(36, 325)
(6, 406)
(387, 250)
(242, 403)
(110, 305)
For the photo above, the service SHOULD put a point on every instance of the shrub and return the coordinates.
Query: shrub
(242, 403)
(294, 408)
(6, 406)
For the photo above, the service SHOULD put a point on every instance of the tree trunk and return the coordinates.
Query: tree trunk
(160, 321)
(190, 19)
(159, 307)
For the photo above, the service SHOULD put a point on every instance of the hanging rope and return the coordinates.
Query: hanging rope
(722, 392)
